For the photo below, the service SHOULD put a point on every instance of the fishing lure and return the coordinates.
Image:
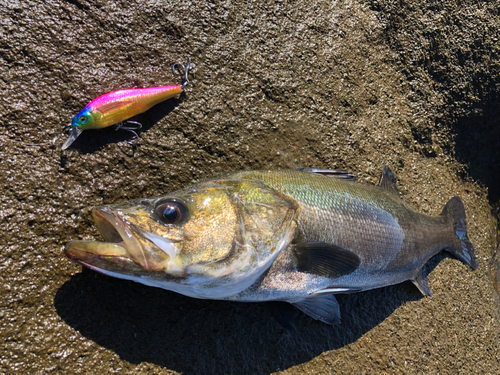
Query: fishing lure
(116, 107)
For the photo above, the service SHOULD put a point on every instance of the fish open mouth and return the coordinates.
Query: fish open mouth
(124, 249)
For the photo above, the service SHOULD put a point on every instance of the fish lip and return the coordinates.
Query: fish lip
(83, 253)
(79, 252)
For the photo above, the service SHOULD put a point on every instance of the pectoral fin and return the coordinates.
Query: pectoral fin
(325, 259)
(422, 285)
(324, 308)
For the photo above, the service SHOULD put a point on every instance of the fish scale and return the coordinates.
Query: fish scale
(342, 212)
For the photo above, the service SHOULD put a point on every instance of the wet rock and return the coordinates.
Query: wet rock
(345, 84)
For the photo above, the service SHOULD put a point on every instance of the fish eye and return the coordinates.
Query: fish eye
(171, 211)
(83, 119)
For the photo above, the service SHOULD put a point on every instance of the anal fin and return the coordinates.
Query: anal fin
(421, 283)
(323, 308)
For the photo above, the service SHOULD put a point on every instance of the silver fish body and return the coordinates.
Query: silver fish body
(294, 236)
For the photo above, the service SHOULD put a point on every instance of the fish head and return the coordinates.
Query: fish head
(212, 240)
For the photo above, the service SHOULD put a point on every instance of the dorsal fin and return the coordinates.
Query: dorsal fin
(325, 259)
(387, 181)
(344, 175)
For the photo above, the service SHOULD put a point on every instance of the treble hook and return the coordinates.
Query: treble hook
(189, 67)
(135, 126)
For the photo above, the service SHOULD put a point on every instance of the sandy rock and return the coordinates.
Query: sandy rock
(335, 84)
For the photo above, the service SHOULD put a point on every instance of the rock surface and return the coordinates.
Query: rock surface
(351, 85)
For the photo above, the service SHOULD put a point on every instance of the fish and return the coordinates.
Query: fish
(114, 108)
(295, 236)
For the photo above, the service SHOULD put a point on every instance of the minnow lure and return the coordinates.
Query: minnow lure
(116, 107)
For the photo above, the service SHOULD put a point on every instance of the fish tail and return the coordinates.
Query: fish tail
(461, 247)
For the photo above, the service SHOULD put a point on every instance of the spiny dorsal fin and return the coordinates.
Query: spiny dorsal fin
(325, 259)
(387, 181)
(422, 285)
(330, 173)
(324, 308)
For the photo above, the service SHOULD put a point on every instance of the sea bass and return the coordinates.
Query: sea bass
(287, 235)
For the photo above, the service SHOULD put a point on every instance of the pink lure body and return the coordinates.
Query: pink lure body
(118, 106)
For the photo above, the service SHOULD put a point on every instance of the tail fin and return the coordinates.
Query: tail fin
(462, 248)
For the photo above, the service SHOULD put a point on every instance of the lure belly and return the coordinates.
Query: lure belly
(118, 106)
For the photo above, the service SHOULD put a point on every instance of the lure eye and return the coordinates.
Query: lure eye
(171, 211)
(83, 119)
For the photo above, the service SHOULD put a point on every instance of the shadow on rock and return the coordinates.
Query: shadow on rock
(143, 324)
(478, 145)
(92, 140)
